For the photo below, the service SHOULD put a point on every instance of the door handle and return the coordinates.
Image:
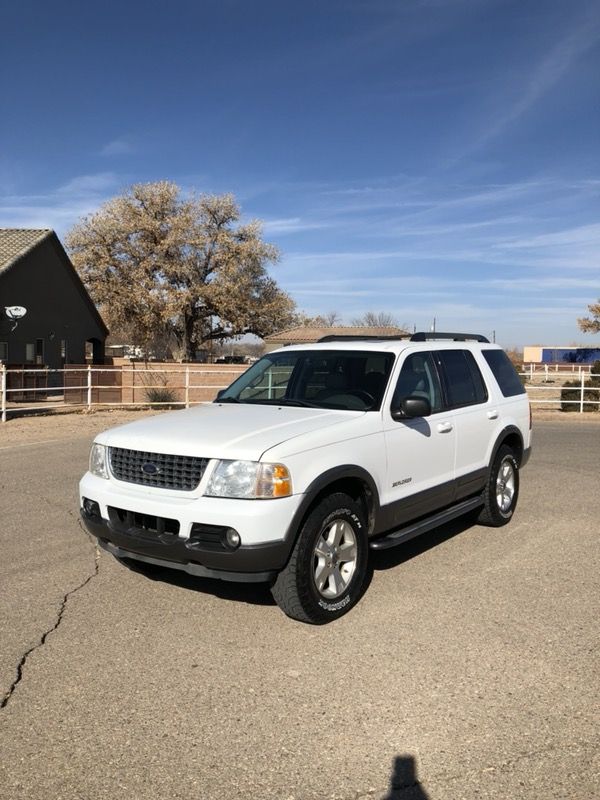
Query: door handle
(445, 427)
(492, 414)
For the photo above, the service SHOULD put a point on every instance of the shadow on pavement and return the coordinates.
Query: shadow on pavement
(388, 559)
(259, 593)
(253, 593)
(404, 783)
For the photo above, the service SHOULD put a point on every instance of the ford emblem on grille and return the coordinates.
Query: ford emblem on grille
(150, 468)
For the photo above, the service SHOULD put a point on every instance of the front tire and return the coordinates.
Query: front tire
(326, 572)
(502, 490)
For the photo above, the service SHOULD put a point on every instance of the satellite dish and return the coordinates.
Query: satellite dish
(15, 312)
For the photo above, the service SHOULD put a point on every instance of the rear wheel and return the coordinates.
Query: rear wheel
(326, 571)
(502, 490)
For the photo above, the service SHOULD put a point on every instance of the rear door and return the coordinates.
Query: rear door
(467, 400)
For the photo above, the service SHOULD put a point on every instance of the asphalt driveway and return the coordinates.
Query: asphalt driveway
(468, 670)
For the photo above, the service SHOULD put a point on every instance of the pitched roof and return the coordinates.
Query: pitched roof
(304, 333)
(17, 242)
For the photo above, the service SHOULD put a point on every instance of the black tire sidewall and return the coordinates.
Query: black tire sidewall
(335, 507)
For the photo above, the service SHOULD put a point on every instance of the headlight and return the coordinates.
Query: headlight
(98, 465)
(249, 480)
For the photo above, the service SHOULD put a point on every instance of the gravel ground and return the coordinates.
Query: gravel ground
(66, 425)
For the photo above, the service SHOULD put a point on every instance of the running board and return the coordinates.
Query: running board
(410, 531)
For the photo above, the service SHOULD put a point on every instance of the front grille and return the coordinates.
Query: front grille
(183, 473)
(124, 521)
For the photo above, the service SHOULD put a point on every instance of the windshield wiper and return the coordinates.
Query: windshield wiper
(284, 401)
(228, 400)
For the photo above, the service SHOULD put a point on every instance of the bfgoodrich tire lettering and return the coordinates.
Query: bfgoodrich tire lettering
(326, 571)
(502, 489)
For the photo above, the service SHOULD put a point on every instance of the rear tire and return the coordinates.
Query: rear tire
(326, 572)
(502, 489)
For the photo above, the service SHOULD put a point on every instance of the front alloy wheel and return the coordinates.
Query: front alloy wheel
(335, 557)
(326, 572)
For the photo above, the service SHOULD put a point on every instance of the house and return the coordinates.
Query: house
(62, 325)
(303, 334)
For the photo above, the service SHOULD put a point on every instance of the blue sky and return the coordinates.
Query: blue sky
(420, 157)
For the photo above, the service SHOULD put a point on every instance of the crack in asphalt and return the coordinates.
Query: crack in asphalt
(63, 605)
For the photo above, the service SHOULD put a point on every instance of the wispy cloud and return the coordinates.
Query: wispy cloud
(582, 234)
(118, 147)
(61, 207)
(96, 183)
(543, 76)
(292, 225)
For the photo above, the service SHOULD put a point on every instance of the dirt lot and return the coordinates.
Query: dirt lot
(50, 427)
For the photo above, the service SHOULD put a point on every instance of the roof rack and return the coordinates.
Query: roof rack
(422, 336)
(358, 338)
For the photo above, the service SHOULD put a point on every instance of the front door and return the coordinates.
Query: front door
(420, 451)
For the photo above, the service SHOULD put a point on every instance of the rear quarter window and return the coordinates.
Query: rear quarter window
(506, 375)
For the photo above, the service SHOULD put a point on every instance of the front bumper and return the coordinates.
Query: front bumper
(250, 563)
(122, 524)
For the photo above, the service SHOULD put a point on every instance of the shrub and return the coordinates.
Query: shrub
(571, 391)
(160, 394)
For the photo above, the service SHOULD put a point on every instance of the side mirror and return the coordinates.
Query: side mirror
(411, 407)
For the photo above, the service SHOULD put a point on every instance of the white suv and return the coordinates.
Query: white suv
(314, 455)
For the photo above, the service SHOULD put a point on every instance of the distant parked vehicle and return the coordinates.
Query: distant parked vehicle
(231, 360)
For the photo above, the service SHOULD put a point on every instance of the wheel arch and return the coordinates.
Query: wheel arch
(349, 479)
(512, 437)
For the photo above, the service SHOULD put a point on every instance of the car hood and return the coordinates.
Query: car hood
(223, 430)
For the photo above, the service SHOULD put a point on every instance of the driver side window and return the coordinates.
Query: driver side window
(418, 378)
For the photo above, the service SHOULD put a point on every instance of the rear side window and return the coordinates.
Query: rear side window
(463, 381)
(504, 372)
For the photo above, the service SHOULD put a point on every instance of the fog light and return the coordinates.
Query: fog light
(232, 538)
(91, 508)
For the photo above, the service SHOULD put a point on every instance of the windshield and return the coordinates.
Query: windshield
(349, 380)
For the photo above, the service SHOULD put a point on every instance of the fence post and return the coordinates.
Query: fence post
(187, 387)
(89, 386)
(582, 393)
(3, 391)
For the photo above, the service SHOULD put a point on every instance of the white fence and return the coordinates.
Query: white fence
(40, 389)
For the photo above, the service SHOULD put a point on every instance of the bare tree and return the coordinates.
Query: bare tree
(591, 324)
(161, 265)
(330, 319)
(380, 319)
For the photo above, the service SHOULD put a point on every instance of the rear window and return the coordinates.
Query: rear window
(464, 384)
(504, 372)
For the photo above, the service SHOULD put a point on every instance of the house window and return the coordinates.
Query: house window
(3, 351)
(29, 353)
(39, 351)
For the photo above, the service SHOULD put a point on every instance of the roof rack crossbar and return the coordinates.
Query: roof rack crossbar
(423, 336)
(357, 338)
